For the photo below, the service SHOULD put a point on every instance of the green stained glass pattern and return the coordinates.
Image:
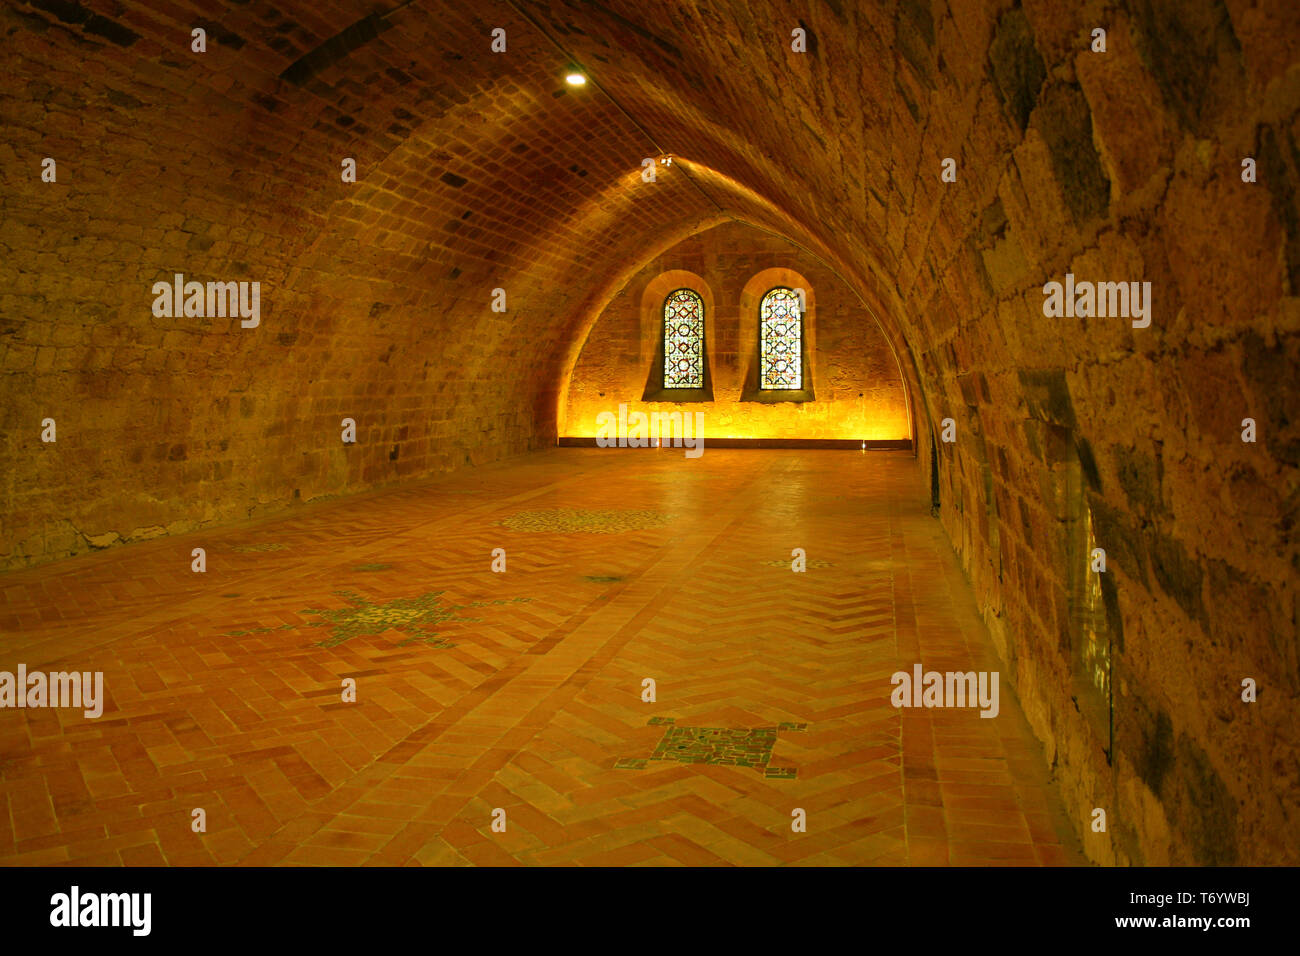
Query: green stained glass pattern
(683, 340)
(780, 341)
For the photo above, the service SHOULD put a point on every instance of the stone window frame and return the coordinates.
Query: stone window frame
(653, 299)
(751, 301)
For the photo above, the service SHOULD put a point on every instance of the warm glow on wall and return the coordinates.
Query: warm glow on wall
(854, 387)
(752, 420)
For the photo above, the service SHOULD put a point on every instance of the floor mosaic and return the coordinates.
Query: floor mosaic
(571, 520)
(719, 746)
(419, 616)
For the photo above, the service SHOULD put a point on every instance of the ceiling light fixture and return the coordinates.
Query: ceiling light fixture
(575, 78)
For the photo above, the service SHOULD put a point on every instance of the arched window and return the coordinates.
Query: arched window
(780, 340)
(683, 340)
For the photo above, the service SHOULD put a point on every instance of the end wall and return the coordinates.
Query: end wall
(855, 376)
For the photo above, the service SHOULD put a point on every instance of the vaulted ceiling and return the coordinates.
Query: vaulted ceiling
(479, 171)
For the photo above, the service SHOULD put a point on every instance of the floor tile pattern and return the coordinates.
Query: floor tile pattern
(221, 694)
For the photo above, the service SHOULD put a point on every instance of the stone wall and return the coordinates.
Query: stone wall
(1127, 166)
(479, 171)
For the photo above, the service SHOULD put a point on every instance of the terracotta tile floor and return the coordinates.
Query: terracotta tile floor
(522, 690)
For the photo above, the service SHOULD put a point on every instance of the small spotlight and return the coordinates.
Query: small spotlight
(576, 79)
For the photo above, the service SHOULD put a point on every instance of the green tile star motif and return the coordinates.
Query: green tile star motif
(418, 617)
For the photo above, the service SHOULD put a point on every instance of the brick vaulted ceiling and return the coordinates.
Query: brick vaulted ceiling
(476, 171)
(480, 170)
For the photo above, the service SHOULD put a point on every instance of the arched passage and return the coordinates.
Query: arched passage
(480, 172)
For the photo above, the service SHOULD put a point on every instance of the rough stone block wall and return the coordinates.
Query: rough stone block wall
(1129, 167)
(855, 376)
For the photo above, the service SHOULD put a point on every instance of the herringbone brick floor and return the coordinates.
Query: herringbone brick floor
(522, 691)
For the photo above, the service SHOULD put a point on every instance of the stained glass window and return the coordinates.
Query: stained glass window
(780, 341)
(683, 340)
